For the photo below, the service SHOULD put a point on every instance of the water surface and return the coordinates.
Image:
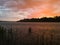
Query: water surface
(41, 32)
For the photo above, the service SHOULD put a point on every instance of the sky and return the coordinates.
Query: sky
(13, 10)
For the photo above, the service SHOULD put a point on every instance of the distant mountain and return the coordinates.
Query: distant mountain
(44, 19)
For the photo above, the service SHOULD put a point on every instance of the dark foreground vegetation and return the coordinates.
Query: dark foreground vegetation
(8, 37)
(44, 19)
(2, 35)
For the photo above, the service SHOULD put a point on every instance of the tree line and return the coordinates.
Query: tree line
(43, 19)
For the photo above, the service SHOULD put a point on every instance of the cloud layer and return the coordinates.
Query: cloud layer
(13, 10)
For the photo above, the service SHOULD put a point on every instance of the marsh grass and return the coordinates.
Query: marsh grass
(42, 38)
(2, 35)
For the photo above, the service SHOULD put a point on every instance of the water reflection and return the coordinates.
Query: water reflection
(31, 34)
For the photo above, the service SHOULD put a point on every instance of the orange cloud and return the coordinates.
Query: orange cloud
(31, 8)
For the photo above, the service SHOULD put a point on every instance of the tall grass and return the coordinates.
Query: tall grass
(2, 36)
(43, 38)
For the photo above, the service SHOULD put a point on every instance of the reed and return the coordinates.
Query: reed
(30, 39)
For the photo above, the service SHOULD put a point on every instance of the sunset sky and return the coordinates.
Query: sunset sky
(13, 10)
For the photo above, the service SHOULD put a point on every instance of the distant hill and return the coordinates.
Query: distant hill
(44, 19)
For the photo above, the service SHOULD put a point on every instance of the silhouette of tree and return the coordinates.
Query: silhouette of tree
(44, 19)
